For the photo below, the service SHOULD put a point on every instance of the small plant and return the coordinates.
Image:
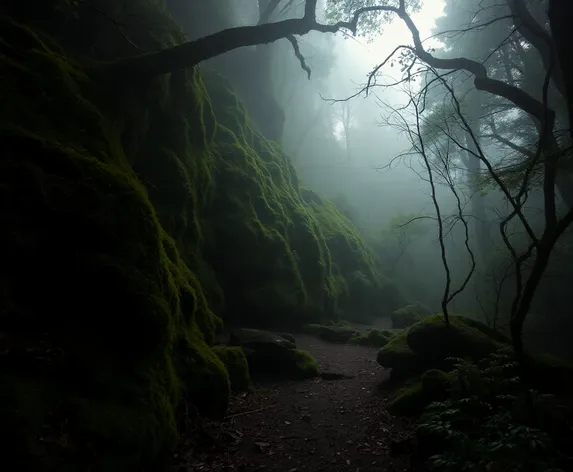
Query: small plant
(485, 425)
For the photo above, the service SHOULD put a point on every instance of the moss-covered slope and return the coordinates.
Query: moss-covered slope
(104, 328)
(133, 216)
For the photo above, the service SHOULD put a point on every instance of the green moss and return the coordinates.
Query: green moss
(417, 394)
(305, 366)
(123, 320)
(436, 382)
(126, 208)
(408, 400)
(363, 293)
(428, 343)
(433, 340)
(398, 356)
(235, 362)
(408, 315)
(373, 338)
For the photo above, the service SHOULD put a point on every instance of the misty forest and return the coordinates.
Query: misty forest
(286, 235)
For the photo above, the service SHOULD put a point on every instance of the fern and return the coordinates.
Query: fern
(480, 426)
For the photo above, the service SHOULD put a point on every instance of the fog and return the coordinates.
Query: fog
(354, 145)
(286, 235)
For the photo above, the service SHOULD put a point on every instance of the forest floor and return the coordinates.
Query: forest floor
(306, 426)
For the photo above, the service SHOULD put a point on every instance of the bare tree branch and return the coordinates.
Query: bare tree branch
(298, 54)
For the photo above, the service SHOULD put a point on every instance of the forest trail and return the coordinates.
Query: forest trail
(306, 426)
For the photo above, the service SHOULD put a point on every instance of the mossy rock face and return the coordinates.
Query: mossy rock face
(408, 315)
(235, 361)
(271, 355)
(125, 207)
(111, 333)
(433, 340)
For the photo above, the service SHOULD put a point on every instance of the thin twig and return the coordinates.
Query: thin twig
(245, 413)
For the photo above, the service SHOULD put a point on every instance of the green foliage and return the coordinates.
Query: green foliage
(486, 425)
(235, 361)
(408, 315)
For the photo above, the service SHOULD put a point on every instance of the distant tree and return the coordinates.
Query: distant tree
(344, 117)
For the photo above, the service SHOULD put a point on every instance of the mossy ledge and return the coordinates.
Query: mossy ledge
(118, 206)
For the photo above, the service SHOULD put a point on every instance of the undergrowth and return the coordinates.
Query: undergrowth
(489, 423)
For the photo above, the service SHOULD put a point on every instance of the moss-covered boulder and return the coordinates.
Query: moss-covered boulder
(399, 357)
(337, 333)
(373, 338)
(433, 340)
(332, 331)
(271, 355)
(411, 400)
(301, 365)
(427, 344)
(408, 315)
(235, 361)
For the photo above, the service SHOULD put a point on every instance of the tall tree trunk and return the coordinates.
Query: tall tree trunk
(561, 20)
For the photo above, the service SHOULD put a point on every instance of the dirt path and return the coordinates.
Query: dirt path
(313, 425)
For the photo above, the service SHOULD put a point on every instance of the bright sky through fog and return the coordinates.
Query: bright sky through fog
(367, 55)
(397, 33)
